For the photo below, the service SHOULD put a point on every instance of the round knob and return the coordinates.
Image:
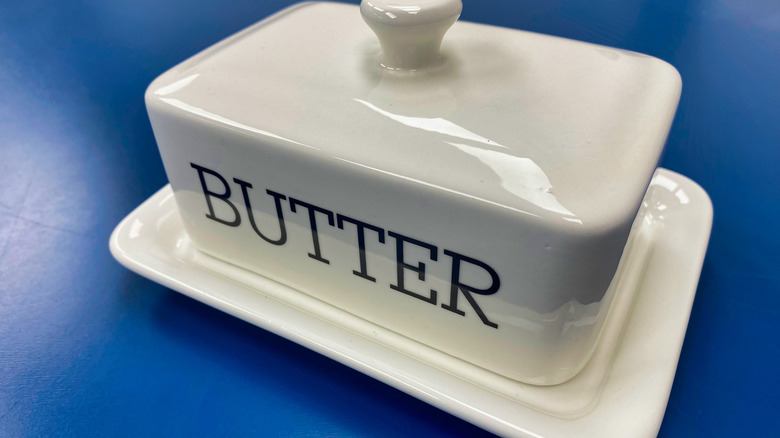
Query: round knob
(410, 31)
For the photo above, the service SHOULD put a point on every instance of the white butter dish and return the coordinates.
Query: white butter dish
(477, 200)
(473, 220)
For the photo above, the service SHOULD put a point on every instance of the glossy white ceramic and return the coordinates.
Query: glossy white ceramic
(479, 204)
(621, 392)
(410, 31)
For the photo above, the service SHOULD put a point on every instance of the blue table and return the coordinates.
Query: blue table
(89, 348)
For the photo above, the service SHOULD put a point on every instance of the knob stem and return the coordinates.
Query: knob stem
(410, 31)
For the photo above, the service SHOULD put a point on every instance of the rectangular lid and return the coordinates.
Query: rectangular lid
(547, 127)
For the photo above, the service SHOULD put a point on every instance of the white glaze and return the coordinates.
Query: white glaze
(527, 152)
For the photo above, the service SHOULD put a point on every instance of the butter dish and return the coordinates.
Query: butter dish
(474, 198)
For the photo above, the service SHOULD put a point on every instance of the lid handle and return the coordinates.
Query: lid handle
(410, 31)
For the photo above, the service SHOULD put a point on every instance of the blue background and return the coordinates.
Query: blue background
(89, 348)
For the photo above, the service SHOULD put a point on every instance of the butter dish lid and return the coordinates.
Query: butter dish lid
(551, 128)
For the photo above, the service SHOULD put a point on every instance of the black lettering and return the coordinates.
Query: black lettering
(419, 268)
(313, 224)
(277, 200)
(468, 290)
(223, 196)
(361, 237)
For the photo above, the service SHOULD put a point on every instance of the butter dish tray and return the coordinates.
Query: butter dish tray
(622, 390)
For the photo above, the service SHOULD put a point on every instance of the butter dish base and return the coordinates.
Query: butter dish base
(627, 381)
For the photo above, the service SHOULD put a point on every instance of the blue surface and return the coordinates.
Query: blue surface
(89, 348)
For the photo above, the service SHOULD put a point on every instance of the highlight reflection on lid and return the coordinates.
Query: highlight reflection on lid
(519, 176)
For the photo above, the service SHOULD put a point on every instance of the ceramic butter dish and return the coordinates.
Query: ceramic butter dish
(474, 195)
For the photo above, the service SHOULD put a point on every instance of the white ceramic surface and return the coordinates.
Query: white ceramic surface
(479, 205)
(621, 392)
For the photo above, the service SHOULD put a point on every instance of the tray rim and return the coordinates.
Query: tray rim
(641, 416)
